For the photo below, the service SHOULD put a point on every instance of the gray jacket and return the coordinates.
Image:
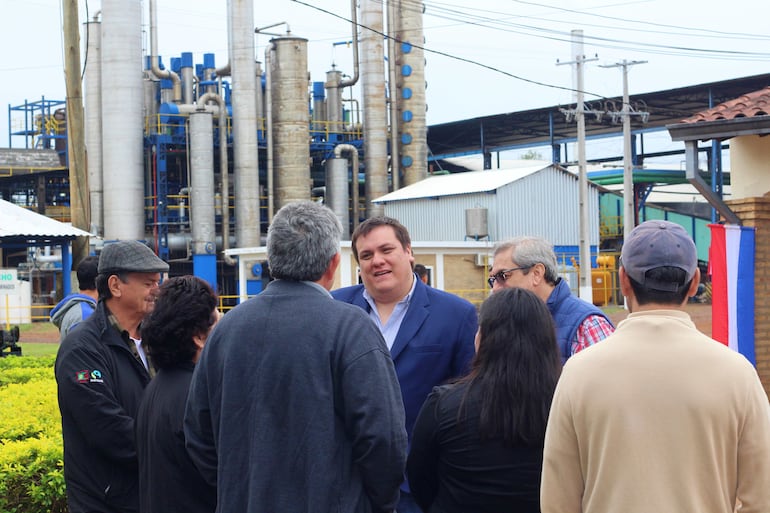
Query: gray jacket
(71, 311)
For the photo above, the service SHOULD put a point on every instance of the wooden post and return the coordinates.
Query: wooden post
(79, 208)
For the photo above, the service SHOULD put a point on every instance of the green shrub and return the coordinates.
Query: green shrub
(32, 476)
(31, 466)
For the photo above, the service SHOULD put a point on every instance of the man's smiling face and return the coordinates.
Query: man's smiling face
(386, 265)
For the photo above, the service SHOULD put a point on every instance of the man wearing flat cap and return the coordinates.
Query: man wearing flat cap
(101, 371)
(658, 417)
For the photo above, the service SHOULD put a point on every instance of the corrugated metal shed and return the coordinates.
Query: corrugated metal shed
(537, 199)
(18, 222)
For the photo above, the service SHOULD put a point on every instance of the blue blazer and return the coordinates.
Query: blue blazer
(433, 345)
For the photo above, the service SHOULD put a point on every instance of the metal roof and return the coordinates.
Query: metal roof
(19, 223)
(464, 183)
(548, 125)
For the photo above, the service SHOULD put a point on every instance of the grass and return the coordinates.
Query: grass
(37, 338)
(38, 348)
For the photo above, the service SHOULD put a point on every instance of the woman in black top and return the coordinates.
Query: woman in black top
(477, 444)
(174, 335)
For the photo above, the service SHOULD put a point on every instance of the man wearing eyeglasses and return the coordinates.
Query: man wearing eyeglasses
(530, 263)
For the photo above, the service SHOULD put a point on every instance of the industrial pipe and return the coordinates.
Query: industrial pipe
(269, 131)
(395, 159)
(154, 64)
(354, 15)
(223, 169)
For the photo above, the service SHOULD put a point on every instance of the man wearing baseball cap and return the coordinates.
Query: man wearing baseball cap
(101, 371)
(658, 417)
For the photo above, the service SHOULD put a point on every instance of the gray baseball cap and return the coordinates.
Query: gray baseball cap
(129, 256)
(655, 244)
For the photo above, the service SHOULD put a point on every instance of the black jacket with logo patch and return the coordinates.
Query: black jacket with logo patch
(100, 385)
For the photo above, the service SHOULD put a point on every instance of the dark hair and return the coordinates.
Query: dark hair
(674, 275)
(184, 308)
(365, 228)
(420, 269)
(86, 273)
(516, 367)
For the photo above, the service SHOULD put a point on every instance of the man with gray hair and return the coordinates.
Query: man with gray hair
(294, 403)
(659, 417)
(530, 263)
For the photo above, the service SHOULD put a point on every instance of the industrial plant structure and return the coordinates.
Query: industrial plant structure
(195, 157)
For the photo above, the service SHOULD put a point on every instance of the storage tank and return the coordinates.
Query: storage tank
(476, 224)
(202, 183)
(337, 192)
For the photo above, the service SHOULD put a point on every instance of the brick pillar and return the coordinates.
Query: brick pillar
(755, 212)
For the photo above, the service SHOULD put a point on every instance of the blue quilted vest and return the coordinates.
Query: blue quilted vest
(568, 312)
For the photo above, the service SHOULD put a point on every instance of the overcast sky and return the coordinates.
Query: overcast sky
(483, 57)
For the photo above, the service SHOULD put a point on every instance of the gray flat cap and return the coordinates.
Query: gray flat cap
(129, 256)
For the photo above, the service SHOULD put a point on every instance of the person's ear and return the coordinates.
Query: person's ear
(113, 282)
(693, 290)
(537, 273)
(625, 283)
(411, 254)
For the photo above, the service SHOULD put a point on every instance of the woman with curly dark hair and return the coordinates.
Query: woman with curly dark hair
(478, 443)
(174, 335)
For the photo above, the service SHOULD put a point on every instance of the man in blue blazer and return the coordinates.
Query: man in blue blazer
(430, 333)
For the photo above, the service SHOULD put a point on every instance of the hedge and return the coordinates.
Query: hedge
(31, 466)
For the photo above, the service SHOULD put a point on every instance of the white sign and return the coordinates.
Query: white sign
(9, 282)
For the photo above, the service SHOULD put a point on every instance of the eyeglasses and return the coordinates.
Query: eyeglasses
(503, 275)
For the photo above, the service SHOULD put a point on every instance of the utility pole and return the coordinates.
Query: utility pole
(584, 280)
(76, 150)
(629, 198)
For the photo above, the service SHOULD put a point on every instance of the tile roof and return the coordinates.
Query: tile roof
(749, 105)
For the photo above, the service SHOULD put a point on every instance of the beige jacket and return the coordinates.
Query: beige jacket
(658, 418)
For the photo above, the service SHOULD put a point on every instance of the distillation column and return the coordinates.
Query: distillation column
(122, 124)
(244, 100)
(374, 105)
(409, 92)
(291, 151)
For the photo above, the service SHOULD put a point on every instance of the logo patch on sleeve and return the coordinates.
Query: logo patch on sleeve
(89, 376)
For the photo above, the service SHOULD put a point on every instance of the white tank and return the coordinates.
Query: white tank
(122, 123)
(336, 197)
(291, 135)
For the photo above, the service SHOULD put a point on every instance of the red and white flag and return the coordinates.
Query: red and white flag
(731, 266)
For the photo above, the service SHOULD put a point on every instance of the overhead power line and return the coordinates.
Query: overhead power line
(448, 55)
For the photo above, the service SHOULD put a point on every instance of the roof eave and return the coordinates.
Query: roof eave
(719, 129)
